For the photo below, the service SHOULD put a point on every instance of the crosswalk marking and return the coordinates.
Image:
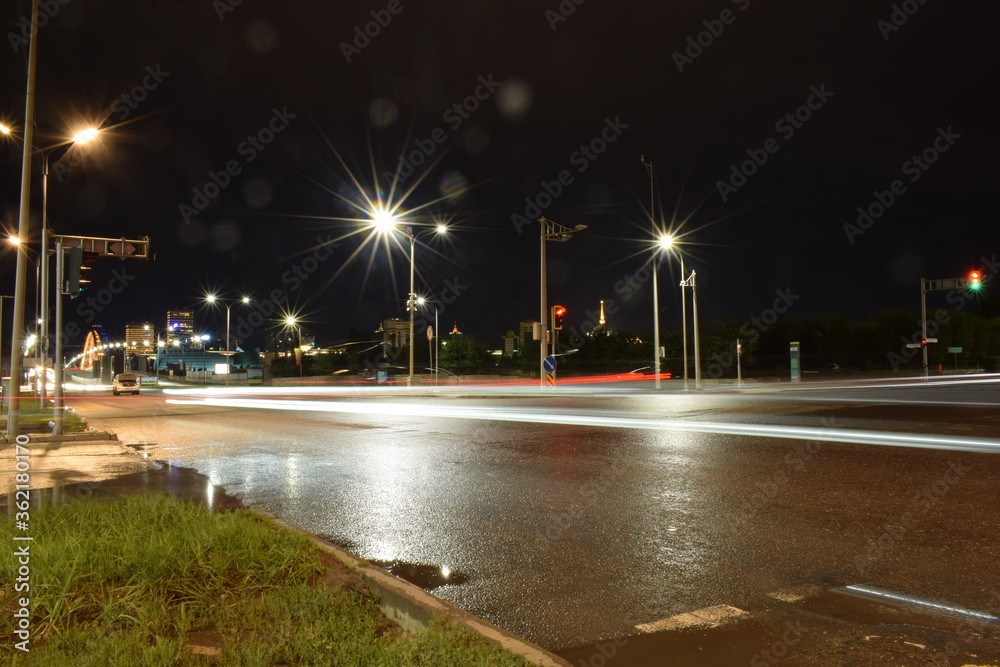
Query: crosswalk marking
(708, 617)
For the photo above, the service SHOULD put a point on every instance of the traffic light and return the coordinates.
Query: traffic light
(975, 279)
(557, 317)
(74, 260)
(77, 270)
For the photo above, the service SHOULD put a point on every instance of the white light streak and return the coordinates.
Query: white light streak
(608, 420)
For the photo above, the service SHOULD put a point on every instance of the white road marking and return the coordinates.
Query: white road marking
(707, 617)
(796, 593)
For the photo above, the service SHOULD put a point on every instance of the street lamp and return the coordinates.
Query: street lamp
(81, 137)
(410, 302)
(2, 297)
(665, 243)
(668, 242)
(384, 222)
(291, 322)
(432, 348)
(211, 298)
(550, 231)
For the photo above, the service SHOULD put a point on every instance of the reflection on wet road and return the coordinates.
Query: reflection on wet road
(568, 529)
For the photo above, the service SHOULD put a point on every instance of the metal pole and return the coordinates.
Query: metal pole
(684, 325)
(2, 394)
(229, 366)
(543, 319)
(410, 304)
(57, 394)
(923, 323)
(656, 294)
(437, 345)
(739, 369)
(43, 263)
(24, 233)
(697, 348)
(656, 321)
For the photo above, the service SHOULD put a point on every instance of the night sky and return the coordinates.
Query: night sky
(768, 124)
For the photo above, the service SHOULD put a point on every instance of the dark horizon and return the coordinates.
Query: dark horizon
(766, 138)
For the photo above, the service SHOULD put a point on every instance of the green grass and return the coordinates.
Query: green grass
(32, 415)
(126, 582)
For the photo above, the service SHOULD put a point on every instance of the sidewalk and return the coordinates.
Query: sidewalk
(69, 459)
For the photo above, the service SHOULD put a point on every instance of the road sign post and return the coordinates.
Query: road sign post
(793, 349)
(549, 364)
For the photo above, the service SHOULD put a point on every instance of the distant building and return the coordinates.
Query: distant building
(526, 331)
(140, 338)
(601, 324)
(510, 344)
(180, 328)
(281, 338)
(395, 331)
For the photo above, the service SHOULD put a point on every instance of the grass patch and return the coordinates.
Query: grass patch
(140, 580)
(71, 423)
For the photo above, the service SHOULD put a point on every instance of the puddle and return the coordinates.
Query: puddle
(426, 577)
(183, 483)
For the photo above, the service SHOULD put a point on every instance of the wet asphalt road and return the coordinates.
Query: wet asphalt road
(568, 532)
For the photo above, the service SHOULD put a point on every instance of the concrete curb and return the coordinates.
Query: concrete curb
(46, 439)
(412, 608)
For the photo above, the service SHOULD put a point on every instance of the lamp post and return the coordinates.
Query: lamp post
(665, 243)
(692, 282)
(411, 299)
(2, 297)
(292, 322)
(550, 231)
(211, 298)
(23, 231)
(81, 137)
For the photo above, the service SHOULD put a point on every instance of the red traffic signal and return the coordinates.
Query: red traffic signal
(975, 279)
(557, 317)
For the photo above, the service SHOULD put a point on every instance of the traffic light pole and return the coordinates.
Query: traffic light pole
(544, 318)
(550, 231)
(57, 361)
(972, 282)
(923, 324)
(102, 247)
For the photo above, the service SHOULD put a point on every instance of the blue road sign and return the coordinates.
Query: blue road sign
(549, 364)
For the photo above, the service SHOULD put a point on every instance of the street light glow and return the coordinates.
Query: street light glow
(13, 240)
(210, 298)
(83, 136)
(442, 228)
(4, 129)
(383, 221)
(666, 242)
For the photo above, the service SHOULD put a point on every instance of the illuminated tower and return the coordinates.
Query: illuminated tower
(602, 314)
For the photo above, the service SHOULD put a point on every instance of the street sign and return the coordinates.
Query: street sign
(120, 248)
(955, 350)
(430, 333)
(549, 364)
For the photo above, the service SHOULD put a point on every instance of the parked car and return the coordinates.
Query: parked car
(124, 383)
